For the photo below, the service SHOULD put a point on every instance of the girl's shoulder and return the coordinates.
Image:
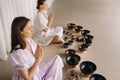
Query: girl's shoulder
(17, 52)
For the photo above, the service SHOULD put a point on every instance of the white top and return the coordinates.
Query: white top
(44, 38)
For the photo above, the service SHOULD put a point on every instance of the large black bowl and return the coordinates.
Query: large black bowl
(73, 59)
(87, 67)
(97, 77)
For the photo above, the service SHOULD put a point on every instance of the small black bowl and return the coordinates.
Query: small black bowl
(70, 42)
(97, 77)
(87, 67)
(85, 32)
(87, 43)
(66, 38)
(78, 28)
(66, 45)
(80, 39)
(83, 47)
(70, 51)
(89, 37)
(71, 26)
(73, 38)
(63, 32)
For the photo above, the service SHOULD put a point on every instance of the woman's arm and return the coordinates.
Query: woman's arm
(27, 74)
(50, 21)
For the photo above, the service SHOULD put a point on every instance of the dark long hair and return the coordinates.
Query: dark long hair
(18, 25)
(40, 2)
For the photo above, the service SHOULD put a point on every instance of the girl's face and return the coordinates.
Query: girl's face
(27, 31)
(44, 6)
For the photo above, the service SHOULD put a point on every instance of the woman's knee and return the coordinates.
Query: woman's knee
(58, 59)
(60, 28)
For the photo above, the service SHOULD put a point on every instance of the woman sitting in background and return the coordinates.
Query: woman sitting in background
(44, 34)
(26, 55)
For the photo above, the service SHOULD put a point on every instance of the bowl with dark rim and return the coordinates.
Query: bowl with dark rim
(70, 51)
(85, 32)
(87, 42)
(78, 28)
(66, 45)
(72, 59)
(80, 39)
(71, 26)
(89, 37)
(87, 67)
(83, 47)
(70, 42)
(97, 77)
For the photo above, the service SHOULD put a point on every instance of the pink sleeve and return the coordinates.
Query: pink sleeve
(18, 61)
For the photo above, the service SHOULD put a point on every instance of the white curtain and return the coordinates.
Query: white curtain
(3, 55)
(9, 9)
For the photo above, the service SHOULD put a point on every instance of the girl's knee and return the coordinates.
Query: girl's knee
(60, 28)
(58, 60)
(58, 57)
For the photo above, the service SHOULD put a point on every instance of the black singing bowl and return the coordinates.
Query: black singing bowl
(87, 67)
(66, 45)
(78, 28)
(70, 51)
(85, 32)
(83, 47)
(80, 39)
(71, 26)
(89, 37)
(87, 42)
(73, 59)
(70, 42)
(97, 77)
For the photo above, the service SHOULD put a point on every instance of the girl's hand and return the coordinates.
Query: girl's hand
(51, 18)
(38, 53)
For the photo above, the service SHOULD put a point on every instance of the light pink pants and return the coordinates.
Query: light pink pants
(52, 68)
